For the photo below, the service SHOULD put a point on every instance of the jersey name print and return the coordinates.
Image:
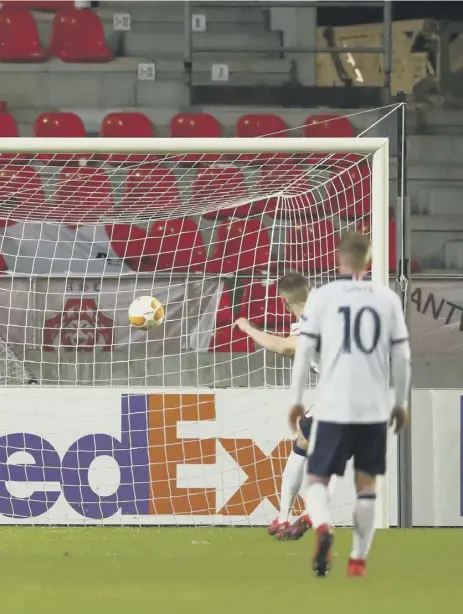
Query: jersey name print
(355, 322)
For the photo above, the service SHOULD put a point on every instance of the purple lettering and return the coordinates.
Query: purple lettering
(132, 495)
(46, 468)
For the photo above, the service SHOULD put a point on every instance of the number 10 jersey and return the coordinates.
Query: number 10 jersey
(355, 323)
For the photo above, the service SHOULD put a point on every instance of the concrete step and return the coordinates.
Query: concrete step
(169, 45)
(59, 85)
(437, 223)
(241, 71)
(435, 149)
(453, 255)
(444, 199)
(428, 121)
(169, 11)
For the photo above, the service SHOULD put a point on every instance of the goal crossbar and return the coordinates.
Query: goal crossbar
(192, 145)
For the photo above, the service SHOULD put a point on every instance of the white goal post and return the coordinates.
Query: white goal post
(100, 221)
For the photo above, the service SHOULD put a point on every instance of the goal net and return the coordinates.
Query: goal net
(185, 424)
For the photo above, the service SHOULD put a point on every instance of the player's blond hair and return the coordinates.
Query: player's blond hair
(355, 250)
(294, 287)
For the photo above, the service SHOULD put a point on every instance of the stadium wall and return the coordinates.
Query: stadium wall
(198, 456)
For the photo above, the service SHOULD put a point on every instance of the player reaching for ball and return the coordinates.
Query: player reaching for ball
(357, 325)
(294, 290)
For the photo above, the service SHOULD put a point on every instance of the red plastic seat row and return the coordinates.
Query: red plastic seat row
(193, 125)
(155, 187)
(77, 36)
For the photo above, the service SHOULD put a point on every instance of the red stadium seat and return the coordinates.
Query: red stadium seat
(328, 126)
(224, 315)
(60, 125)
(131, 244)
(195, 125)
(19, 39)
(21, 194)
(151, 189)
(350, 192)
(240, 246)
(83, 195)
(257, 125)
(260, 124)
(127, 125)
(46, 6)
(229, 339)
(78, 36)
(176, 245)
(263, 306)
(294, 184)
(311, 247)
(214, 186)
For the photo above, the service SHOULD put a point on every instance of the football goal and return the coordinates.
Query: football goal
(185, 424)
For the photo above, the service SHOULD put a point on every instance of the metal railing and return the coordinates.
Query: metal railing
(191, 50)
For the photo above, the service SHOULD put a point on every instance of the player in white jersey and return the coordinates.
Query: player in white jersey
(357, 325)
(294, 290)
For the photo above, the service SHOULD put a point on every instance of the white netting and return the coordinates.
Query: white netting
(208, 235)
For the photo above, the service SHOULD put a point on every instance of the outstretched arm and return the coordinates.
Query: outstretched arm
(285, 346)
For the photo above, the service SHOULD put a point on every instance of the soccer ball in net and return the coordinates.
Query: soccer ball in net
(146, 312)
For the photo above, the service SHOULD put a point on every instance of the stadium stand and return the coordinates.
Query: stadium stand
(36, 90)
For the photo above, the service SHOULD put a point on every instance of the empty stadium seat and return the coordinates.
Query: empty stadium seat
(262, 305)
(60, 125)
(19, 38)
(21, 193)
(130, 243)
(176, 245)
(213, 187)
(151, 189)
(242, 245)
(292, 181)
(195, 125)
(229, 339)
(260, 124)
(311, 247)
(328, 126)
(127, 125)
(78, 36)
(82, 195)
(350, 192)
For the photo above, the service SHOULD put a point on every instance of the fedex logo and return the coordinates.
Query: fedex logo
(149, 455)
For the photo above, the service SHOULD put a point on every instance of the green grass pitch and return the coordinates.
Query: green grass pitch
(221, 571)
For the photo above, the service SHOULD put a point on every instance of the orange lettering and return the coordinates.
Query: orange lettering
(167, 452)
(264, 475)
